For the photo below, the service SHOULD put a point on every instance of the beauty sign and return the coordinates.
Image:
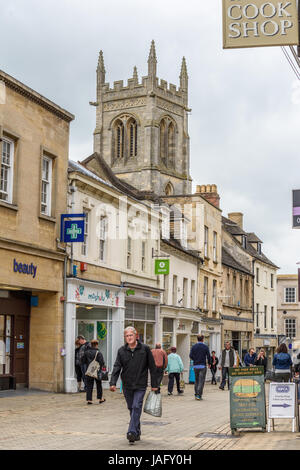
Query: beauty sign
(253, 23)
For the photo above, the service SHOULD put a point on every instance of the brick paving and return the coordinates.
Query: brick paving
(48, 421)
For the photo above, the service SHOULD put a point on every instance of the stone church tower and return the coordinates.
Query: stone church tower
(142, 129)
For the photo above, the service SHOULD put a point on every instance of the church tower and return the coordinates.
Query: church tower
(142, 129)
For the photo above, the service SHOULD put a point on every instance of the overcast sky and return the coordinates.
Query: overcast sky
(244, 124)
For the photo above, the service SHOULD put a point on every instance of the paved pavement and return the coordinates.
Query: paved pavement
(48, 421)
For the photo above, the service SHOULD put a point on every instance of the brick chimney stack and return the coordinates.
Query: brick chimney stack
(210, 193)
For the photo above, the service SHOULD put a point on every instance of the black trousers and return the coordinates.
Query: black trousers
(78, 372)
(89, 388)
(159, 376)
(172, 376)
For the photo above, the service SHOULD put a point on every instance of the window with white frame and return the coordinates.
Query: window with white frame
(6, 176)
(84, 245)
(205, 241)
(290, 327)
(185, 291)
(102, 244)
(205, 291)
(214, 296)
(175, 292)
(143, 256)
(265, 317)
(46, 190)
(290, 295)
(272, 318)
(215, 247)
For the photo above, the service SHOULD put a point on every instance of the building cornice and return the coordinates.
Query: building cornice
(32, 95)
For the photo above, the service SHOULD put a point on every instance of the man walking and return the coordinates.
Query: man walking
(161, 362)
(133, 361)
(84, 346)
(199, 355)
(227, 359)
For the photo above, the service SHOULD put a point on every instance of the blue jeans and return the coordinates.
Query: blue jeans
(200, 375)
(134, 400)
(225, 372)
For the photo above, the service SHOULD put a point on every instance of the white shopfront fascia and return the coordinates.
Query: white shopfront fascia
(87, 293)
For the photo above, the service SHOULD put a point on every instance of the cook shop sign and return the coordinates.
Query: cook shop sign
(259, 23)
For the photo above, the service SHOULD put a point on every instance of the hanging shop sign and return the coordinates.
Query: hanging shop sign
(72, 231)
(162, 266)
(247, 398)
(259, 23)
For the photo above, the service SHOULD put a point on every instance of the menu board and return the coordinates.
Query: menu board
(247, 398)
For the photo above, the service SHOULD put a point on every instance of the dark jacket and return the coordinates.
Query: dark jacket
(249, 359)
(81, 352)
(134, 366)
(199, 353)
(261, 362)
(77, 362)
(214, 367)
(89, 356)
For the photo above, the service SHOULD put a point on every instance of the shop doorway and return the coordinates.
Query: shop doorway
(14, 341)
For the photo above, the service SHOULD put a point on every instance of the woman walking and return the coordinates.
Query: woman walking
(92, 353)
(174, 369)
(261, 360)
(78, 370)
(214, 361)
(282, 363)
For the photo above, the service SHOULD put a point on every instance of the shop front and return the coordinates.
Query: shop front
(31, 320)
(142, 312)
(95, 311)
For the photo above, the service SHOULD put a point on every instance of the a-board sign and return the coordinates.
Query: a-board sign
(282, 400)
(247, 397)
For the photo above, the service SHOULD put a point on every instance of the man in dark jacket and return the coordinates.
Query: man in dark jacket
(134, 359)
(199, 355)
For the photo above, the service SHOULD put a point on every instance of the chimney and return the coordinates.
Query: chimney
(210, 193)
(237, 218)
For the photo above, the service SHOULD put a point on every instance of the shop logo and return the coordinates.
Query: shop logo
(24, 268)
(282, 389)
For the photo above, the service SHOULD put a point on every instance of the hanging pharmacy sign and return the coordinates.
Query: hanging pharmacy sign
(259, 23)
(247, 398)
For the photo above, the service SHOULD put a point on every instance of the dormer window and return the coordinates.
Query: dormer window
(259, 248)
(244, 241)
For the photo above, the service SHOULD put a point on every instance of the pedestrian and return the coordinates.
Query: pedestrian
(83, 346)
(261, 360)
(282, 363)
(78, 370)
(92, 353)
(199, 355)
(174, 369)
(227, 359)
(214, 361)
(161, 362)
(250, 357)
(133, 361)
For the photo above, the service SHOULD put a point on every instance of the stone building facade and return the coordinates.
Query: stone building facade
(34, 145)
(288, 307)
(142, 129)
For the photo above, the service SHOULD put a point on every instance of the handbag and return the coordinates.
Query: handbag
(153, 404)
(181, 383)
(103, 374)
(92, 370)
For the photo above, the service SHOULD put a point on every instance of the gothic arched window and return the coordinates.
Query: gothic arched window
(119, 139)
(167, 142)
(125, 133)
(132, 131)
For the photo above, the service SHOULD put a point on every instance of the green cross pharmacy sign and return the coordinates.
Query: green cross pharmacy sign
(162, 266)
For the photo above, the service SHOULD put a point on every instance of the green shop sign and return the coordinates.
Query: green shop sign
(247, 398)
(162, 266)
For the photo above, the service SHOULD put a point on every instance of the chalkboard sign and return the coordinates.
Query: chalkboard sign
(247, 398)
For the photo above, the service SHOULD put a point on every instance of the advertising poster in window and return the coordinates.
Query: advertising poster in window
(247, 398)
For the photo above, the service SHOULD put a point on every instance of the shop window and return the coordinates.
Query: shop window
(167, 333)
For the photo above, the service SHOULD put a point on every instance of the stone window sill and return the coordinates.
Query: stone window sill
(48, 218)
(7, 205)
